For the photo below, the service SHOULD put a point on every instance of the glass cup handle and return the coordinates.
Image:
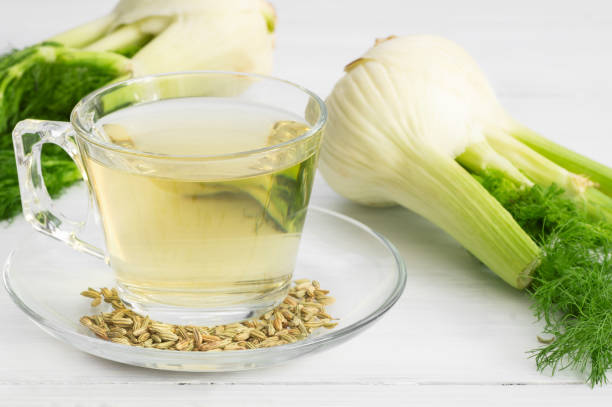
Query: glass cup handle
(29, 136)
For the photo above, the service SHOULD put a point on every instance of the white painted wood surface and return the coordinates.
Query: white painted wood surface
(458, 336)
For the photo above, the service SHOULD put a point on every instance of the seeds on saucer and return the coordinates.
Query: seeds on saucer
(94, 295)
(302, 312)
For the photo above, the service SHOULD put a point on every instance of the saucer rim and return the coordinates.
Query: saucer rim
(311, 342)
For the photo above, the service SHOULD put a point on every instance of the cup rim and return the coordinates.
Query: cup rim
(83, 132)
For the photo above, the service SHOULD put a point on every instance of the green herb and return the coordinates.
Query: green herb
(572, 286)
(58, 170)
(46, 81)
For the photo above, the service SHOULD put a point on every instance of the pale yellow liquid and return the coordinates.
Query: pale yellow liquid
(181, 239)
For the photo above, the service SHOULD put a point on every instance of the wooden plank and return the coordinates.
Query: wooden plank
(295, 395)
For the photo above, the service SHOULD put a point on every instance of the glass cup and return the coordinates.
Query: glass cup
(191, 237)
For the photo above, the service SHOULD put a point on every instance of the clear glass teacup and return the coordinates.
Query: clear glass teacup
(201, 181)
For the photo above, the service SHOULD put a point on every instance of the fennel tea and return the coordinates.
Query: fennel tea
(182, 237)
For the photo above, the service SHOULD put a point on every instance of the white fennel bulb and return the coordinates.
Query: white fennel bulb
(411, 122)
(183, 35)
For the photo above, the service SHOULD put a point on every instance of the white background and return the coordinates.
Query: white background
(458, 335)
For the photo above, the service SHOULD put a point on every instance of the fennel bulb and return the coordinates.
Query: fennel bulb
(421, 106)
(183, 35)
(415, 122)
(397, 122)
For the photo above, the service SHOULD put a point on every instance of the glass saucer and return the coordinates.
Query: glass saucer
(362, 270)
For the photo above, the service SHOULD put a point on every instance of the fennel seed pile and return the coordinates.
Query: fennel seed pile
(302, 312)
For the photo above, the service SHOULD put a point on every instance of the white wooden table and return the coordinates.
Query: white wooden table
(458, 336)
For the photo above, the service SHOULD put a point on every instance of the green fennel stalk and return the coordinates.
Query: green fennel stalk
(567, 158)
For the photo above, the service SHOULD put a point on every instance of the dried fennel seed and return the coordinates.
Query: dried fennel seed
(302, 312)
